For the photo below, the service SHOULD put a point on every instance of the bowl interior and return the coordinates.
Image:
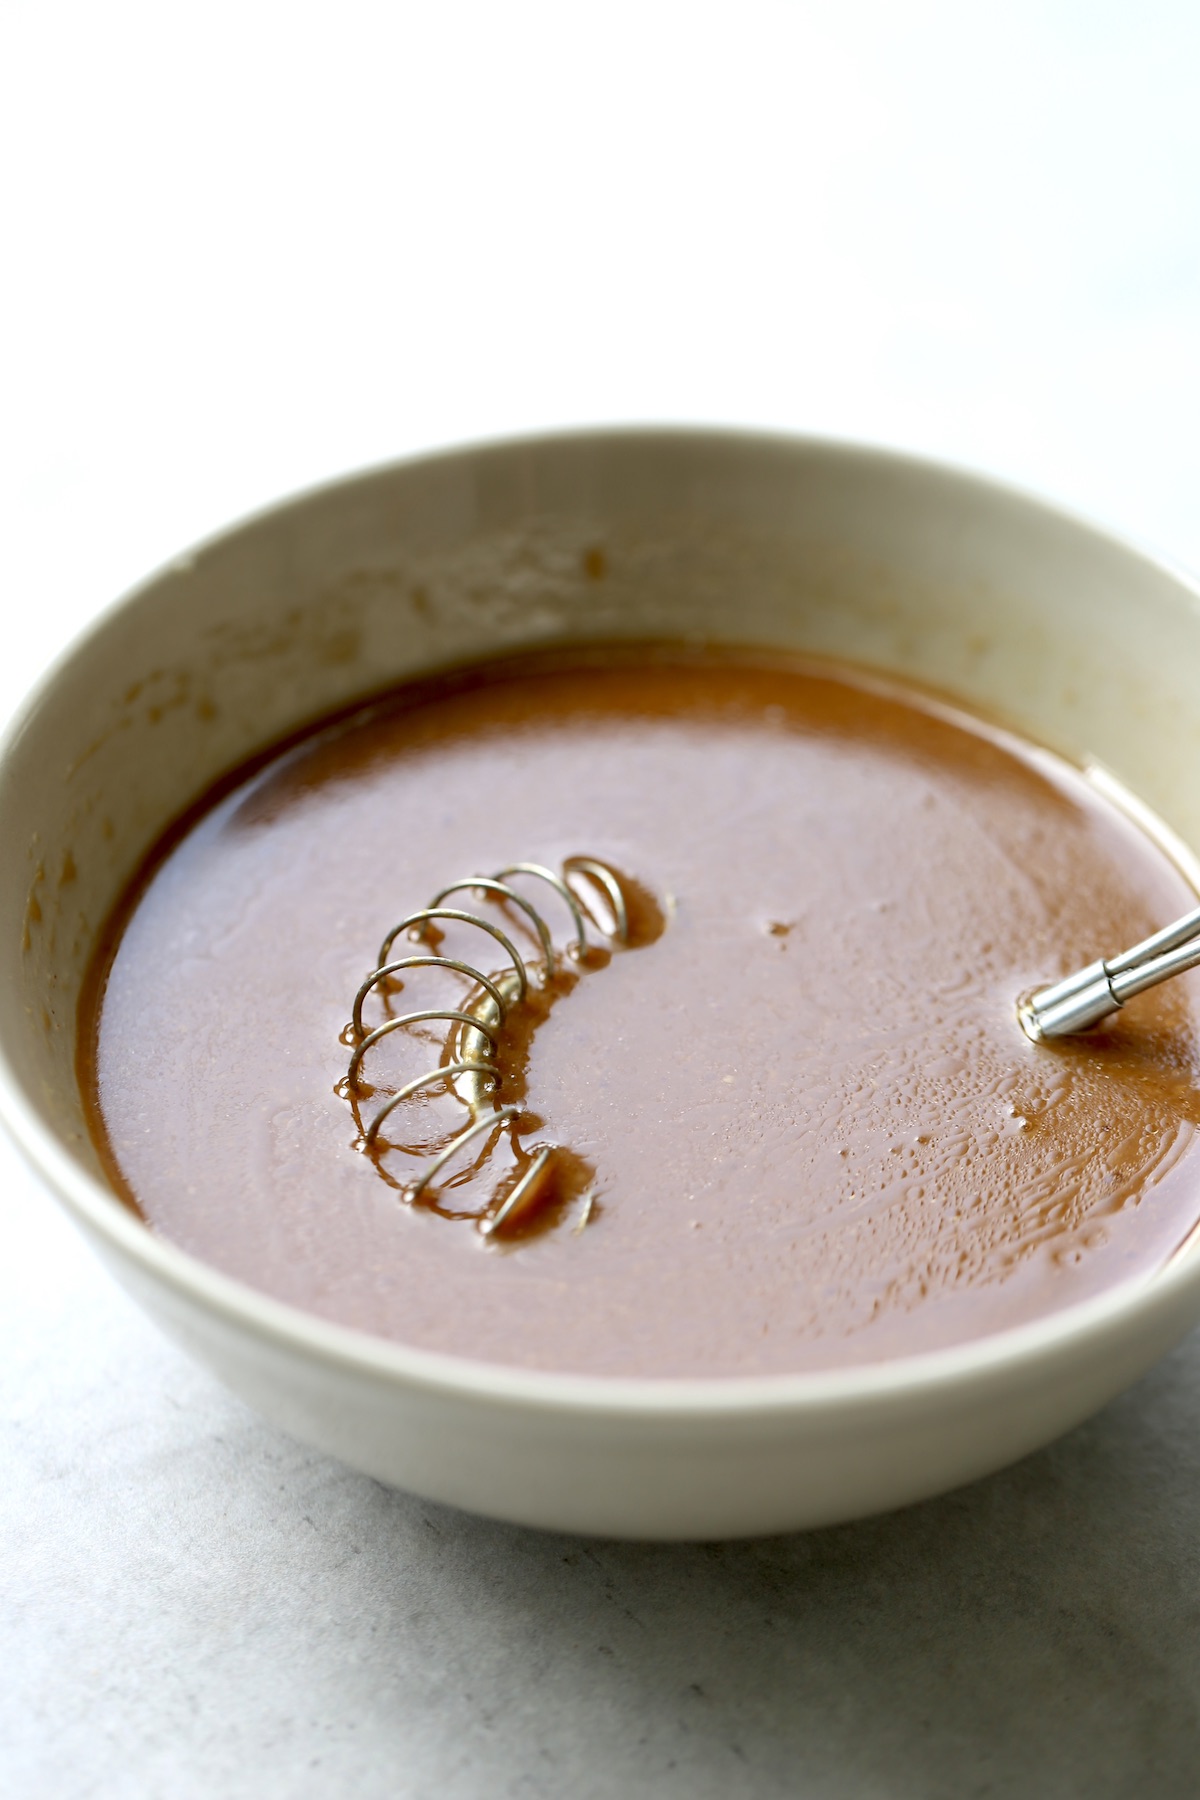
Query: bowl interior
(1075, 639)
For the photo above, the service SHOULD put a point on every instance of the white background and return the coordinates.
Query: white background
(248, 246)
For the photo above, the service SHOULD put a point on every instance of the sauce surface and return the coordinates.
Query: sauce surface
(803, 1127)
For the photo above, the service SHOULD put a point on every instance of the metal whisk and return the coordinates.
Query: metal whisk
(1091, 994)
(469, 1069)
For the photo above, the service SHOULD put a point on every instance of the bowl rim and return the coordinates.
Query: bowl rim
(928, 1375)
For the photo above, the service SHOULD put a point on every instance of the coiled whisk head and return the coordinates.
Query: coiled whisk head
(592, 895)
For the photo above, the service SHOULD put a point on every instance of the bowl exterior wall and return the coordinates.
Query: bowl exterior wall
(614, 1473)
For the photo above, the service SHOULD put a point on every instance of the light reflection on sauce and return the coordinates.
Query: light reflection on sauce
(814, 1131)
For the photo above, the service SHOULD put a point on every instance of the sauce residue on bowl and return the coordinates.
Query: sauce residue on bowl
(804, 1127)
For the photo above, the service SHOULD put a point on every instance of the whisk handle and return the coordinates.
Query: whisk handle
(1075, 1004)
(1090, 995)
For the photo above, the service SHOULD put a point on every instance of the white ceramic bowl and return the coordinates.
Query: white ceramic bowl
(1076, 638)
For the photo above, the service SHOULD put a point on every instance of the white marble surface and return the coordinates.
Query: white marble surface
(248, 246)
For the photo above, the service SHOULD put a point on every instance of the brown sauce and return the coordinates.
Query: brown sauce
(801, 1127)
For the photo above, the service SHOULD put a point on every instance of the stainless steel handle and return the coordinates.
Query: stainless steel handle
(1091, 994)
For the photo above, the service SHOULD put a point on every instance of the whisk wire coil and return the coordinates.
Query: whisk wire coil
(445, 1073)
(426, 962)
(484, 1015)
(417, 921)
